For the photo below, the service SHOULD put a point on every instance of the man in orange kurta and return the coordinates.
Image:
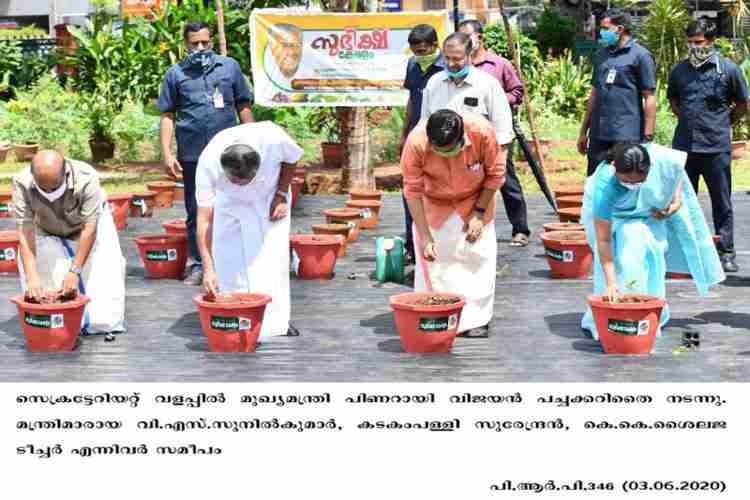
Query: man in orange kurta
(452, 168)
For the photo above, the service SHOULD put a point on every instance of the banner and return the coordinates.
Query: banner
(133, 8)
(324, 59)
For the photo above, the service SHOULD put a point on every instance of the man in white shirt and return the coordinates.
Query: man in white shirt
(465, 89)
(242, 190)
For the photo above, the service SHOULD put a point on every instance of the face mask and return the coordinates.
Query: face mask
(631, 186)
(460, 73)
(608, 38)
(425, 62)
(454, 151)
(54, 195)
(202, 58)
(699, 55)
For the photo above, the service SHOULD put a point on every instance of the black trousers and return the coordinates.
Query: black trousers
(191, 208)
(717, 174)
(512, 193)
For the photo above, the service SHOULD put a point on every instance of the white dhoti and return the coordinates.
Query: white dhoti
(102, 277)
(464, 268)
(251, 254)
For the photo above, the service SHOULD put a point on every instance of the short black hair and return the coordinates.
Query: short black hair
(629, 157)
(476, 26)
(619, 17)
(444, 128)
(422, 33)
(195, 27)
(461, 39)
(702, 26)
(240, 160)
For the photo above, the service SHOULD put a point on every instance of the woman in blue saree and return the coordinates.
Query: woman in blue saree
(642, 220)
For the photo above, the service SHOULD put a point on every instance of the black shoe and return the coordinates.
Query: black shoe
(728, 263)
(481, 332)
(292, 332)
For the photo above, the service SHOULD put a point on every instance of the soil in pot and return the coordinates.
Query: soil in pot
(317, 254)
(52, 326)
(627, 327)
(296, 190)
(142, 204)
(348, 216)
(232, 321)
(6, 204)
(563, 226)
(369, 210)
(163, 255)
(365, 194)
(427, 322)
(9, 252)
(175, 226)
(569, 214)
(164, 193)
(570, 201)
(120, 206)
(25, 152)
(335, 229)
(568, 254)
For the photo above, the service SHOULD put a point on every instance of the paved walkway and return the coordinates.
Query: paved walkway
(348, 332)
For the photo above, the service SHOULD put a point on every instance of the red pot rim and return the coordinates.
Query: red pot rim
(145, 194)
(568, 190)
(570, 211)
(653, 302)
(119, 197)
(571, 226)
(73, 304)
(9, 236)
(342, 212)
(365, 192)
(316, 239)
(258, 299)
(364, 203)
(161, 184)
(404, 302)
(160, 239)
(6, 147)
(562, 237)
(570, 198)
(179, 223)
(331, 227)
(26, 146)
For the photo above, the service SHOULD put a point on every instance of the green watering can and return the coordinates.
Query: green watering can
(389, 259)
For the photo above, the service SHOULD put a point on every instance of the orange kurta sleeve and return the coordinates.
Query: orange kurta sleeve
(412, 167)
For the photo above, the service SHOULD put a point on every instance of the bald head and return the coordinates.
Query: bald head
(48, 169)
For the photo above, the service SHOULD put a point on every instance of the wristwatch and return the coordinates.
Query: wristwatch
(75, 270)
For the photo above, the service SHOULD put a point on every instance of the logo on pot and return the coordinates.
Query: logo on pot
(365, 213)
(555, 254)
(161, 255)
(8, 254)
(440, 324)
(230, 323)
(629, 327)
(44, 320)
(4, 207)
(568, 255)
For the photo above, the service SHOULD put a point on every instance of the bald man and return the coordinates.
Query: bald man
(68, 240)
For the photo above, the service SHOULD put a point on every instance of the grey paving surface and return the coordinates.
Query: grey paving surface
(348, 332)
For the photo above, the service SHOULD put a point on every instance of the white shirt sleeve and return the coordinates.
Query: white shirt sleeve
(290, 150)
(425, 111)
(206, 178)
(500, 114)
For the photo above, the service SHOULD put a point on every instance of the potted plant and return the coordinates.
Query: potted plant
(100, 113)
(628, 326)
(23, 133)
(325, 122)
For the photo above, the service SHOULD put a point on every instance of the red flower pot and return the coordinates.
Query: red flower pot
(365, 194)
(175, 226)
(232, 323)
(335, 229)
(296, 190)
(142, 204)
(120, 206)
(317, 254)
(163, 255)
(570, 201)
(563, 226)
(569, 214)
(568, 190)
(348, 216)
(369, 211)
(25, 152)
(688, 276)
(738, 150)
(50, 327)
(627, 328)
(426, 328)
(6, 204)
(179, 191)
(164, 193)
(9, 252)
(568, 254)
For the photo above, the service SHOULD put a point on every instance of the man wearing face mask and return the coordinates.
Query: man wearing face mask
(622, 105)
(708, 93)
(67, 239)
(200, 96)
(426, 61)
(453, 168)
(502, 70)
(243, 216)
